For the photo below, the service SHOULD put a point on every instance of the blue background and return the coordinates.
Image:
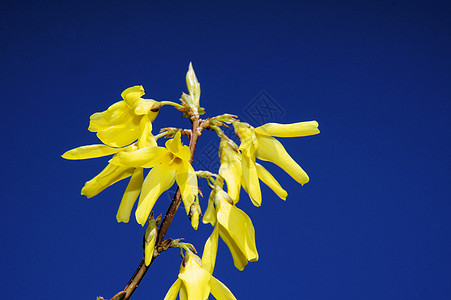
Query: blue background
(373, 222)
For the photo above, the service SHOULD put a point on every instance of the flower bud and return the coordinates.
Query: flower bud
(194, 214)
(193, 86)
(150, 237)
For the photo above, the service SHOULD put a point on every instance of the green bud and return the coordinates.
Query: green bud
(193, 86)
(187, 99)
(150, 237)
(194, 214)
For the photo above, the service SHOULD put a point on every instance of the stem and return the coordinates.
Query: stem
(142, 268)
(176, 105)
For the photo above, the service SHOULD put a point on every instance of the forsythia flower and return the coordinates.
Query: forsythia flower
(196, 283)
(260, 143)
(116, 127)
(230, 168)
(231, 171)
(233, 225)
(120, 124)
(110, 175)
(169, 164)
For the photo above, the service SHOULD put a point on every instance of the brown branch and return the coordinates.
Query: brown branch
(142, 268)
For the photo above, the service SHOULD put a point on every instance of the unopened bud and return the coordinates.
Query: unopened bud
(193, 86)
(150, 237)
(187, 99)
(194, 214)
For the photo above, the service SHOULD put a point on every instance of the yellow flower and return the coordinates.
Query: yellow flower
(233, 225)
(196, 283)
(169, 164)
(230, 168)
(120, 124)
(110, 175)
(113, 173)
(231, 171)
(260, 143)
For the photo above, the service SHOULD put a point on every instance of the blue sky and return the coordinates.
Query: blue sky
(372, 223)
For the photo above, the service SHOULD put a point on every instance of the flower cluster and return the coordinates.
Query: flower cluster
(260, 143)
(125, 130)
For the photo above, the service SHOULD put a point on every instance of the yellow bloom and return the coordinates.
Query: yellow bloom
(120, 124)
(270, 181)
(110, 175)
(233, 225)
(230, 168)
(169, 164)
(231, 171)
(196, 283)
(113, 173)
(260, 143)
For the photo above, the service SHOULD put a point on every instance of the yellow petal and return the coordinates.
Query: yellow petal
(109, 176)
(289, 130)
(270, 149)
(130, 196)
(90, 151)
(177, 148)
(210, 251)
(243, 183)
(148, 107)
(120, 135)
(270, 181)
(237, 231)
(187, 181)
(239, 259)
(195, 279)
(159, 179)
(132, 95)
(232, 175)
(210, 213)
(250, 177)
(117, 114)
(173, 291)
(230, 169)
(220, 291)
(145, 137)
(183, 294)
(247, 137)
(240, 227)
(146, 157)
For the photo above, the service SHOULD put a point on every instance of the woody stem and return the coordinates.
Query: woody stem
(142, 268)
